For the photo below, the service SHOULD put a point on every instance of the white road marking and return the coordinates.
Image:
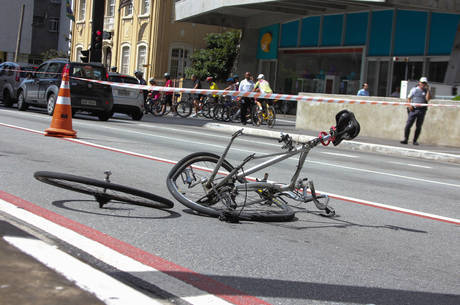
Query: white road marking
(252, 151)
(338, 154)
(104, 287)
(384, 174)
(111, 257)
(409, 164)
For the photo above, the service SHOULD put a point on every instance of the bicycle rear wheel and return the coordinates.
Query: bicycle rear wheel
(184, 109)
(187, 183)
(103, 191)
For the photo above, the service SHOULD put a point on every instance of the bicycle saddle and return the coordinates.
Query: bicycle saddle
(347, 127)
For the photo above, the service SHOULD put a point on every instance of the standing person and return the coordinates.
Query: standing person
(212, 86)
(418, 95)
(231, 86)
(139, 75)
(236, 79)
(113, 69)
(168, 95)
(364, 91)
(246, 85)
(196, 97)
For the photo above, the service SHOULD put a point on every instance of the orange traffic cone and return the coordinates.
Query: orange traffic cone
(61, 124)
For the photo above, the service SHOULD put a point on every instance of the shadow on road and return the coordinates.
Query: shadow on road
(111, 207)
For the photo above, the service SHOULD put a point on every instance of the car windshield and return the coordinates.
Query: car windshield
(130, 80)
(123, 79)
(88, 71)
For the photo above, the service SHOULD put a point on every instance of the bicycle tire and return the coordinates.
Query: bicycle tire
(260, 118)
(234, 114)
(184, 109)
(194, 197)
(271, 116)
(103, 190)
(157, 107)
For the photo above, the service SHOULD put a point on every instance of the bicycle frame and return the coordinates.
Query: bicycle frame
(302, 149)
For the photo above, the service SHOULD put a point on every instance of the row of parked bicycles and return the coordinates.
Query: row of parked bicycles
(220, 108)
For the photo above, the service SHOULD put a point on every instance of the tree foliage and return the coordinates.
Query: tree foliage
(217, 59)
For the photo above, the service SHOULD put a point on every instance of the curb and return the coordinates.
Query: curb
(352, 145)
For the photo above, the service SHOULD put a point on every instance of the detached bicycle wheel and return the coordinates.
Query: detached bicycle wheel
(103, 191)
(187, 183)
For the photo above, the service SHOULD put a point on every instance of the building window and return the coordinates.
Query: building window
(125, 60)
(38, 20)
(179, 60)
(129, 10)
(141, 57)
(82, 10)
(145, 7)
(110, 10)
(53, 24)
(437, 71)
(78, 54)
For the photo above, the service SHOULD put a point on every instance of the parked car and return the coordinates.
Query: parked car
(126, 100)
(43, 88)
(11, 76)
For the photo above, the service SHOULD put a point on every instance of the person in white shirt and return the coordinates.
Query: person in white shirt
(246, 85)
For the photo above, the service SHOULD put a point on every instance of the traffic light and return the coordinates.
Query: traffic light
(98, 40)
(84, 56)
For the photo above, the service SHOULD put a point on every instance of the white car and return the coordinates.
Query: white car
(126, 100)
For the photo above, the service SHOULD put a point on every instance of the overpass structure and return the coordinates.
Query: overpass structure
(334, 46)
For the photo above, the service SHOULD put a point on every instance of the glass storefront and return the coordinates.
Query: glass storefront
(318, 73)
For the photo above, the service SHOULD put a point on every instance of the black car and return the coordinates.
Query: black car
(43, 88)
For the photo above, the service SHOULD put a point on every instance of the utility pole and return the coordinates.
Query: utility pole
(18, 43)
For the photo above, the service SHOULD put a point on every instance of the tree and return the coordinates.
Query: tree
(52, 53)
(218, 58)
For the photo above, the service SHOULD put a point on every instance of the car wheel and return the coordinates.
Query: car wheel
(7, 100)
(51, 103)
(104, 115)
(22, 104)
(137, 115)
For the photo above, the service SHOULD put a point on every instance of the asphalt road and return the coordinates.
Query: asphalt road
(364, 255)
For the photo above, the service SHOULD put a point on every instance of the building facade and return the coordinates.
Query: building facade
(44, 27)
(336, 46)
(143, 36)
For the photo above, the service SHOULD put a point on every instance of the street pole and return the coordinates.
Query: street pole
(18, 42)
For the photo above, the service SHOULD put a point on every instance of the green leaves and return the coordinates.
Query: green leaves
(218, 58)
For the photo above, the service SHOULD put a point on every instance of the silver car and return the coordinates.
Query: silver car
(11, 76)
(126, 100)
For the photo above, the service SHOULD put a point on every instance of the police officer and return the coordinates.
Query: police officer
(417, 95)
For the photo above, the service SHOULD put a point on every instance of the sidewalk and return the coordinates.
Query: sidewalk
(286, 124)
(25, 281)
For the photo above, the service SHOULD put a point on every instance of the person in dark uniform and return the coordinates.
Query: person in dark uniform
(417, 95)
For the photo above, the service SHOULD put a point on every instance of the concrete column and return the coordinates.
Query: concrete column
(453, 69)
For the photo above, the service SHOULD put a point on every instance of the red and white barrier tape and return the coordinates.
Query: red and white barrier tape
(273, 96)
